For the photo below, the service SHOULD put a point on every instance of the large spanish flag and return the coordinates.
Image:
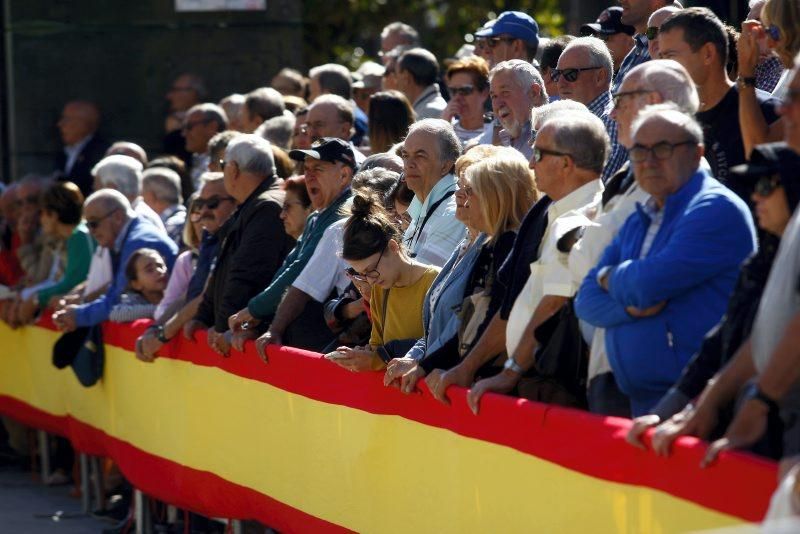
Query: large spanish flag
(302, 445)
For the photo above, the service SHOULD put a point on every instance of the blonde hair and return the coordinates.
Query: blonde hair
(785, 14)
(191, 239)
(505, 188)
(473, 156)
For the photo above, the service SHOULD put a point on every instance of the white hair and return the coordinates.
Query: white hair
(583, 136)
(672, 114)
(524, 74)
(671, 80)
(164, 183)
(598, 53)
(540, 115)
(120, 172)
(277, 130)
(111, 199)
(252, 154)
(449, 145)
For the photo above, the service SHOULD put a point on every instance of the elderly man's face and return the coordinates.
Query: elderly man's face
(550, 169)
(790, 111)
(198, 130)
(422, 162)
(216, 206)
(588, 85)
(511, 103)
(74, 124)
(324, 121)
(664, 177)
(630, 99)
(181, 95)
(324, 181)
(655, 21)
(104, 222)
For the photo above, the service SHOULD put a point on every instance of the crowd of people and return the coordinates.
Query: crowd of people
(605, 221)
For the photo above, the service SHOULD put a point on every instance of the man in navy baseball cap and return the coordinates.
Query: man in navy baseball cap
(514, 35)
(617, 36)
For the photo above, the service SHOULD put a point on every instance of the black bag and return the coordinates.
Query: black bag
(90, 359)
(67, 347)
(562, 358)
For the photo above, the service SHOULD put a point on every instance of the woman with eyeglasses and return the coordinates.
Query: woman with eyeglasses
(468, 85)
(780, 27)
(373, 248)
(296, 206)
(496, 190)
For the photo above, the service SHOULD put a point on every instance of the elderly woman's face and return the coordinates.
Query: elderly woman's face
(772, 207)
(468, 207)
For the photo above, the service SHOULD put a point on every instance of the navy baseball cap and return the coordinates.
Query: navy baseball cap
(514, 23)
(331, 149)
(608, 23)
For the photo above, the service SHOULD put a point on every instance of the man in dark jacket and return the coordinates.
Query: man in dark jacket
(83, 148)
(255, 243)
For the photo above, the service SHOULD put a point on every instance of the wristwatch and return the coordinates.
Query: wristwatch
(513, 366)
(756, 393)
(745, 81)
(159, 330)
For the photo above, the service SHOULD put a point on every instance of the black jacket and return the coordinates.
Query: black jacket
(252, 250)
(81, 172)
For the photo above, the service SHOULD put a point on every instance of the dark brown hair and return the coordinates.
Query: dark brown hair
(297, 185)
(369, 228)
(130, 267)
(390, 115)
(65, 200)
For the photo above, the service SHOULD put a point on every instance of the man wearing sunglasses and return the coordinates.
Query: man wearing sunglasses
(583, 74)
(665, 279)
(514, 35)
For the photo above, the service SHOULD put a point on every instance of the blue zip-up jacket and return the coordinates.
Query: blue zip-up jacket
(706, 233)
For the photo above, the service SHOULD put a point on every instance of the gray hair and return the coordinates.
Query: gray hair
(211, 113)
(232, 104)
(128, 149)
(583, 136)
(672, 114)
(449, 145)
(111, 199)
(408, 33)
(343, 107)
(672, 81)
(218, 143)
(209, 177)
(264, 102)
(597, 52)
(333, 78)
(252, 154)
(524, 74)
(383, 160)
(164, 183)
(540, 115)
(278, 130)
(119, 172)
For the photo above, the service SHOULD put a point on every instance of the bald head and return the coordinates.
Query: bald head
(126, 148)
(79, 119)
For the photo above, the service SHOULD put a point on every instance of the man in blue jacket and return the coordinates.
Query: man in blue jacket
(664, 281)
(114, 224)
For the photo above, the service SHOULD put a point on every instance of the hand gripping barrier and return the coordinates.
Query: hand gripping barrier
(305, 446)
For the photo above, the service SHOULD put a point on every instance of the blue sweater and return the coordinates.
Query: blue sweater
(706, 233)
(141, 234)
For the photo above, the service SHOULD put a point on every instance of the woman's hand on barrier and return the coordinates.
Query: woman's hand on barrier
(502, 382)
(267, 338)
(65, 319)
(396, 371)
(242, 320)
(639, 427)
(359, 359)
(747, 427)
(219, 342)
(692, 421)
(239, 338)
(439, 380)
(191, 328)
(147, 345)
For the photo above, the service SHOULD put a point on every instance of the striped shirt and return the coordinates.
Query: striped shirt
(636, 56)
(601, 107)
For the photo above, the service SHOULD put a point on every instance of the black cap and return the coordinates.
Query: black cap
(771, 159)
(608, 23)
(330, 149)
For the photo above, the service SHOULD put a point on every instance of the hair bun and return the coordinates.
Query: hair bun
(363, 205)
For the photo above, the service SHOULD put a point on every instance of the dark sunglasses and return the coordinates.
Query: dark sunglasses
(492, 42)
(95, 223)
(570, 75)
(773, 32)
(766, 185)
(211, 203)
(651, 32)
(464, 90)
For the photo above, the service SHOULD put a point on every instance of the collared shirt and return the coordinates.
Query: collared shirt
(550, 274)
(656, 215)
(72, 152)
(523, 143)
(768, 72)
(430, 104)
(199, 166)
(601, 107)
(638, 55)
(174, 218)
(433, 241)
(324, 272)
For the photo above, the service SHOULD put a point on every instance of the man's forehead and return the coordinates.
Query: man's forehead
(658, 128)
(572, 55)
(318, 163)
(211, 189)
(322, 110)
(419, 140)
(632, 82)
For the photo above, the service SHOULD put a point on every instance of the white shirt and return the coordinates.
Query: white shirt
(72, 152)
(325, 270)
(433, 243)
(550, 274)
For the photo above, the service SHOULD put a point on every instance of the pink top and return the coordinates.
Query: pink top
(178, 283)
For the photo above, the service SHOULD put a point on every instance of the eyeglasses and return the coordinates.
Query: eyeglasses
(661, 151)
(464, 90)
(619, 95)
(211, 203)
(95, 223)
(492, 42)
(288, 205)
(464, 189)
(766, 185)
(570, 75)
(222, 163)
(651, 32)
(773, 32)
(540, 153)
(372, 274)
(189, 125)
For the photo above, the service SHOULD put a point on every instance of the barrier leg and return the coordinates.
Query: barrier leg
(97, 482)
(44, 454)
(143, 519)
(236, 527)
(85, 487)
(172, 515)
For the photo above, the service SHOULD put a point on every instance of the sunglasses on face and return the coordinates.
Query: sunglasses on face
(570, 75)
(773, 32)
(651, 33)
(492, 42)
(766, 185)
(661, 151)
(211, 203)
(464, 189)
(540, 153)
(464, 90)
(95, 223)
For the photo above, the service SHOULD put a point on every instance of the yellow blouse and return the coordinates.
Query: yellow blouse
(403, 311)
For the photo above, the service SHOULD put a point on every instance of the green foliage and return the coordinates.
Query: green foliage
(348, 31)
